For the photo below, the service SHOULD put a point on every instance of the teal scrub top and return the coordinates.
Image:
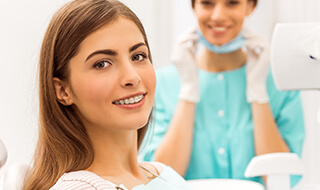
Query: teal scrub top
(223, 143)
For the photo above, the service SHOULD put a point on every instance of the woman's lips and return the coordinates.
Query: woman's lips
(133, 102)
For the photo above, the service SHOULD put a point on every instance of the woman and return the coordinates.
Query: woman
(97, 88)
(217, 107)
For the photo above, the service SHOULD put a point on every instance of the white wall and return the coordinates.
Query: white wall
(22, 27)
(156, 16)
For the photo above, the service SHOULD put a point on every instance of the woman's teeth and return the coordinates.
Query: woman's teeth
(131, 100)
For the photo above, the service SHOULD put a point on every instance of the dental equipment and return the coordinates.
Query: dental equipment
(295, 56)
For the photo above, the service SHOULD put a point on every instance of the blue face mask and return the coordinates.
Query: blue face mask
(232, 46)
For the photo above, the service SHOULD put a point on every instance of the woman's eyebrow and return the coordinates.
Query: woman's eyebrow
(104, 51)
(113, 52)
(137, 46)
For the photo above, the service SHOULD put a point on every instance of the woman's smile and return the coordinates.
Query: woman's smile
(117, 80)
(132, 101)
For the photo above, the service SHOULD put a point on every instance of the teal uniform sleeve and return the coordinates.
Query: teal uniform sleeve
(155, 133)
(168, 85)
(288, 113)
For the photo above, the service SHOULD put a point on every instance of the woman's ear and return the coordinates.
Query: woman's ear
(63, 92)
(250, 8)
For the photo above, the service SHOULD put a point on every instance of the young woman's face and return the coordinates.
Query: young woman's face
(221, 20)
(112, 79)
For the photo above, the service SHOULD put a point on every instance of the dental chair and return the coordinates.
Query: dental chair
(14, 175)
(277, 167)
(3, 154)
(3, 158)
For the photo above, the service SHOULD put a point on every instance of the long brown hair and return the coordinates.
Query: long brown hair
(63, 143)
(254, 1)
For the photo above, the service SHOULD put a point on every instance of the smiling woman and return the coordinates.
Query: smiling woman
(97, 86)
(106, 70)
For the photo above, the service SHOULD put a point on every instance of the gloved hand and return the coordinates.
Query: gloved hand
(258, 66)
(184, 59)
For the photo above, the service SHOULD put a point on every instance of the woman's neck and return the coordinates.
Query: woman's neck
(115, 158)
(213, 62)
(114, 153)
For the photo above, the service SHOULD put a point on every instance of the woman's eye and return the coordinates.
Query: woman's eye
(101, 64)
(233, 3)
(139, 57)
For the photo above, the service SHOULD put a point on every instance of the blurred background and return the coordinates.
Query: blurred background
(22, 27)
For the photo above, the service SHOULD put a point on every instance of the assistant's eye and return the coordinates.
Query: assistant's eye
(139, 57)
(204, 2)
(101, 64)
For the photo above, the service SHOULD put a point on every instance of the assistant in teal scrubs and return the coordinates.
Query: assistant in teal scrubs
(223, 132)
(218, 107)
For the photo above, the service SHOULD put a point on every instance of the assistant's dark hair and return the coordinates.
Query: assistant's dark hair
(254, 1)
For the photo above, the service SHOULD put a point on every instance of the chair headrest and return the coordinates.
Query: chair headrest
(3, 154)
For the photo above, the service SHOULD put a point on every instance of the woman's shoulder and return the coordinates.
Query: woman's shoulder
(82, 180)
(156, 167)
(166, 177)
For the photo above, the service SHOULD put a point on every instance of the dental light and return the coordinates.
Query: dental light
(295, 56)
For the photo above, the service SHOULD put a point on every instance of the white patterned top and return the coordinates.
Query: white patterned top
(85, 180)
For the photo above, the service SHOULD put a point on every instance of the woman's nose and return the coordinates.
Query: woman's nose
(129, 75)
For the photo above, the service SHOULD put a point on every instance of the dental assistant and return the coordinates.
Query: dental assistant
(218, 108)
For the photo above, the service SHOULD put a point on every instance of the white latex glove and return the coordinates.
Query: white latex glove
(184, 59)
(258, 65)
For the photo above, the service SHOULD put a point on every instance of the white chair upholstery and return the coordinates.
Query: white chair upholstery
(3, 154)
(224, 184)
(14, 176)
(277, 167)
